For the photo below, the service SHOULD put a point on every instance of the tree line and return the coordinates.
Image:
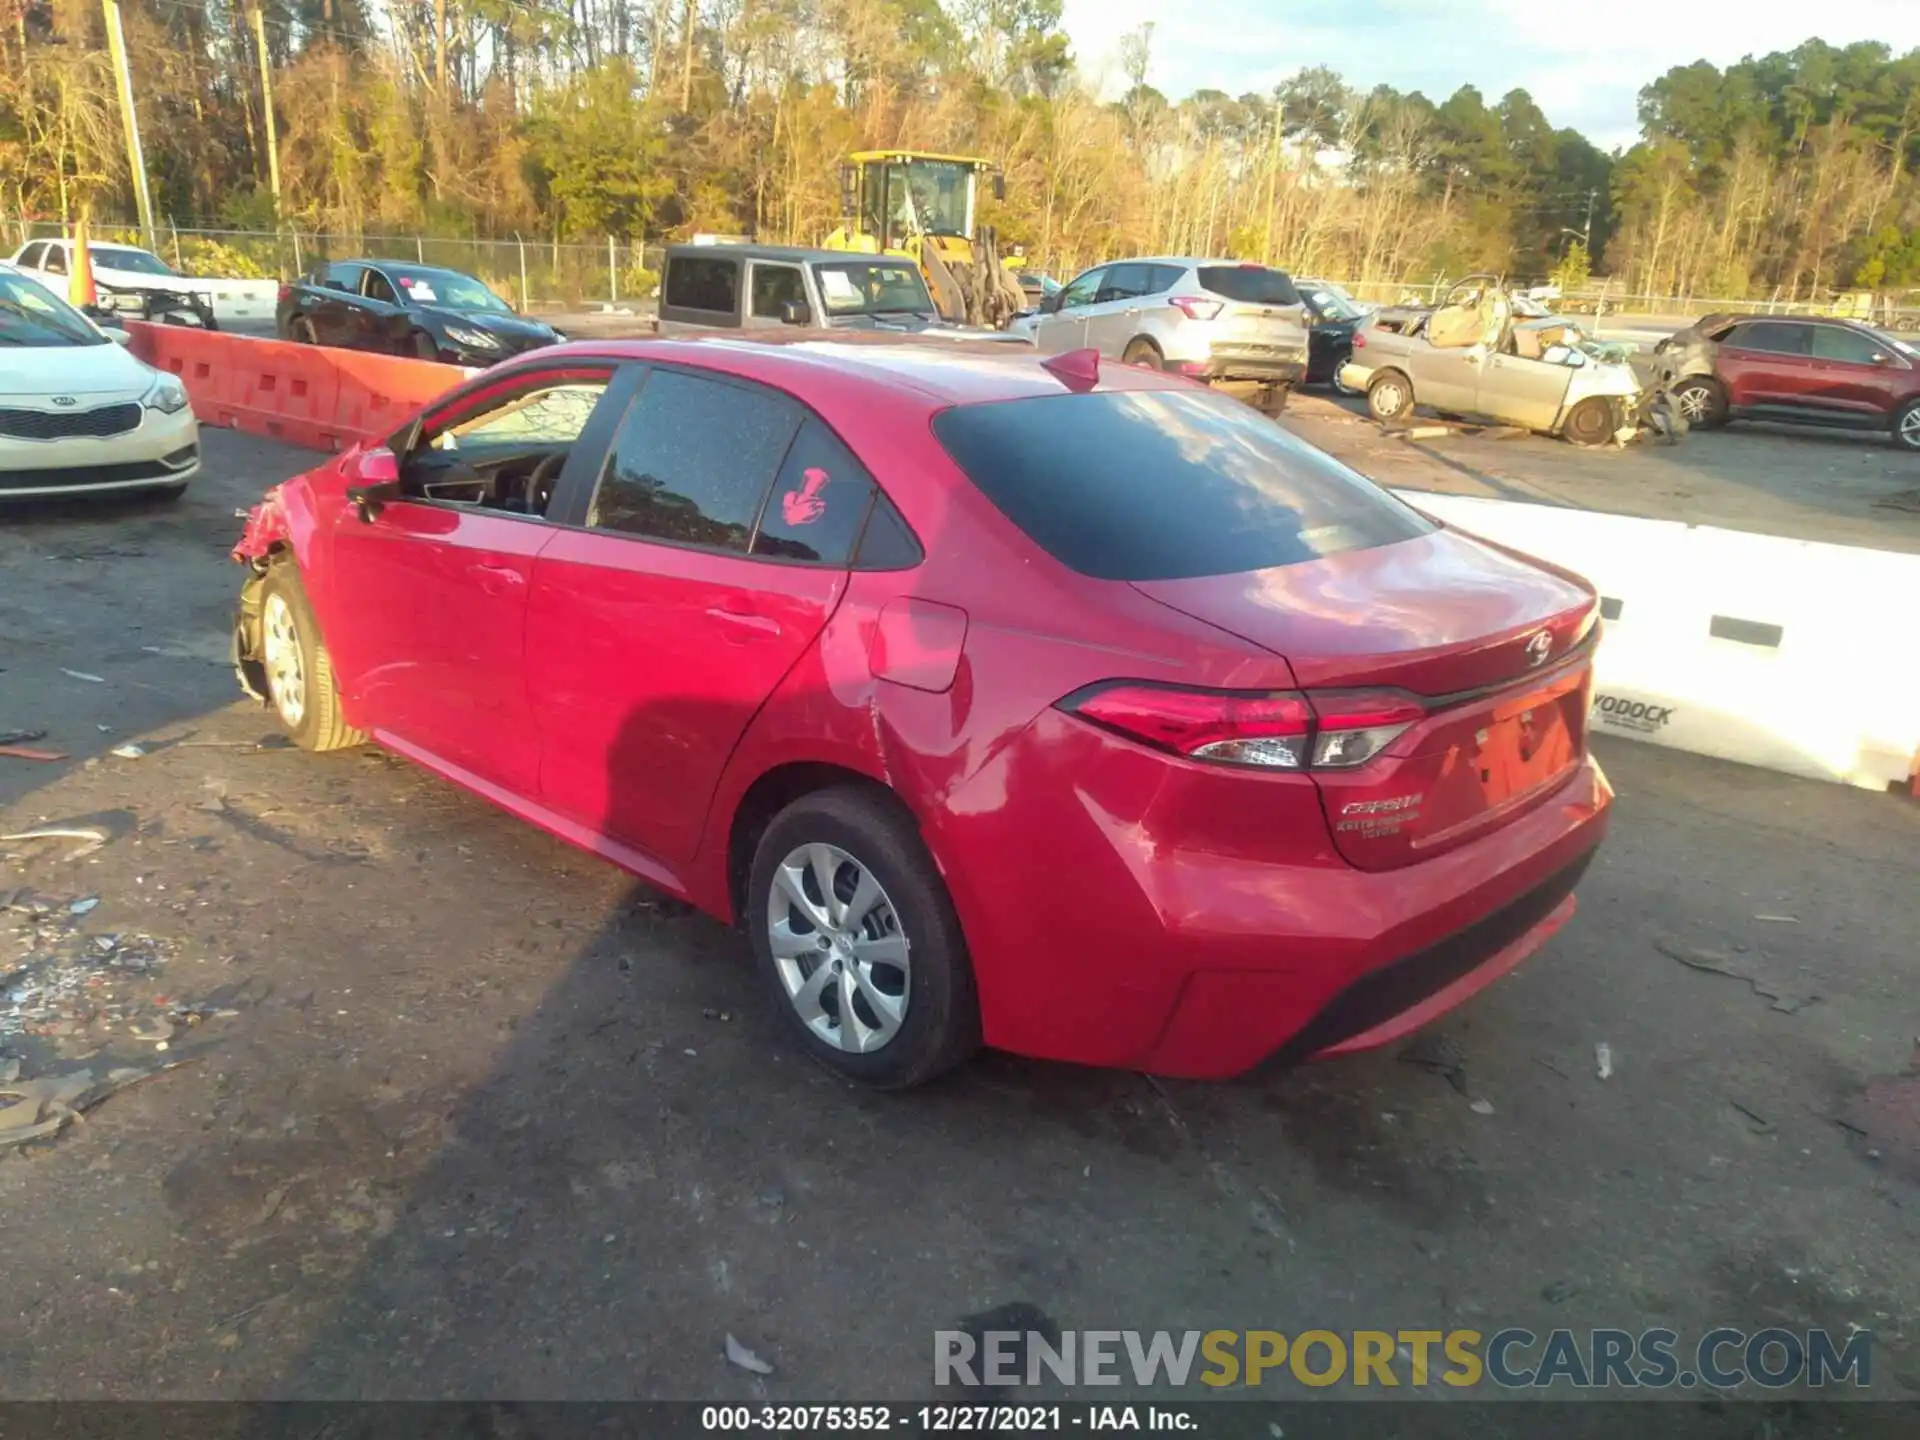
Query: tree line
(1792, 173)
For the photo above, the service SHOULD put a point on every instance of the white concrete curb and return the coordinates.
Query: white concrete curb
(1788, 654)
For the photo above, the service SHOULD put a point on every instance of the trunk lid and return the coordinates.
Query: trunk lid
(1495, 646)
(1261, 308)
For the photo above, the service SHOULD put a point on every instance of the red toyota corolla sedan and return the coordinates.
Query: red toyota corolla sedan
(1068, 708)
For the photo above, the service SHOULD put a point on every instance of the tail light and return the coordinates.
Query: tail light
(1194, 308)
(286, 291)
(1359, 339)
(1315, 730)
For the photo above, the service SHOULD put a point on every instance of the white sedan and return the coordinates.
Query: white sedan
(79, 415)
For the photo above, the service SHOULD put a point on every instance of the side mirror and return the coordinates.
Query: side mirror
(1051, 304)
(794, 312)
(377, 477)
(999, 185)
(1880, 357)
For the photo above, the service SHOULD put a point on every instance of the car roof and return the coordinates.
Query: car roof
(934, 374)
(1194, 261)
(774, 252)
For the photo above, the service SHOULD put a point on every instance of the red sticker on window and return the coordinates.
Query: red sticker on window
(804, 506)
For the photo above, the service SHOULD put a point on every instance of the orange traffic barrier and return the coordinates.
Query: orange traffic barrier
(300, 394)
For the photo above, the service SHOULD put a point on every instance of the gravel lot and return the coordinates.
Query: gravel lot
(483, 1118)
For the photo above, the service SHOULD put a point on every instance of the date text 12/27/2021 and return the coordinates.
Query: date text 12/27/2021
(946, 1419)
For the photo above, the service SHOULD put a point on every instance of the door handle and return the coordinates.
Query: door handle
(498, 580)
(747, 624)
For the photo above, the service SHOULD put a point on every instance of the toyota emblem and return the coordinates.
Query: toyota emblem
(1539, 647)
(65, 400)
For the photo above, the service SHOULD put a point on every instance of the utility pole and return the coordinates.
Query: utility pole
(266, 103)
(136, 158)
(1586, 232)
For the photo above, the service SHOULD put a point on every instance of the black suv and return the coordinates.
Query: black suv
(401, 309)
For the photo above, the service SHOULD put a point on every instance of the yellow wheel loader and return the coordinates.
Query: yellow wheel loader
(924, 206)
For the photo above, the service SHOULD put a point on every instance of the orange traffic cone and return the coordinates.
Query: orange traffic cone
(81, 292)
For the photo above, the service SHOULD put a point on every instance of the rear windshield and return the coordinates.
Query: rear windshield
(1166, 484)
(1250, 284)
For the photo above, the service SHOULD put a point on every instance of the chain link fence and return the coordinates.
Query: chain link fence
(554, 275)
(537, 274)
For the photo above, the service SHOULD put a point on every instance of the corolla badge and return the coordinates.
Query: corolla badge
(1539, 647)
(65, 400)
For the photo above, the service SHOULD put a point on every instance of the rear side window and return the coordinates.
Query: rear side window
(1771, 336)
(1165, 277)
(1249, 284)
(1165, 485)
(344, 277)
(30, 257)
(703, 282)
(819, 502)
(693, 460)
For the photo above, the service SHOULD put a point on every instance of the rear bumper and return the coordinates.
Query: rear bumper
(1121, 923)
(1258, 364)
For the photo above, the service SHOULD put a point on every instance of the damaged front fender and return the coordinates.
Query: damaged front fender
(266, 528)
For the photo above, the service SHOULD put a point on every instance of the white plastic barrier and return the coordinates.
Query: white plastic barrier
(244, 299)
(1789, 654)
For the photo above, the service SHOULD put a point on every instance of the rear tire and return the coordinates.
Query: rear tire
(865, 844)
(1589, 423)
(300, 332)
(1389, 397)
(299, 669)
(1701, 401)
(1272, 401)
(1906, 426)
(1145, 354)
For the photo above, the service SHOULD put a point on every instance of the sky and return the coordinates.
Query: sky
(1583, 63)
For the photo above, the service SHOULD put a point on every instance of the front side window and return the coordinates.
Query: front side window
(773, 287)
(1834, 342)
(1083, 290)
(693, 460)
(551, 412)
(1125, 282)
(379, 289)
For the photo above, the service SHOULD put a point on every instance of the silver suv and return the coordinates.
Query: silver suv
(1226, 322)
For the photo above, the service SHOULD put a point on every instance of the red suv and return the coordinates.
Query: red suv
(1806, 371)
(1057, 704)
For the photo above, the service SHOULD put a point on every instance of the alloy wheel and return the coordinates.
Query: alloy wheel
(839, 949)
(286, 675)
(1910, 429)
(1694, 402)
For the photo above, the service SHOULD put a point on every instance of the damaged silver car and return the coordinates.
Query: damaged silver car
(1471, 356)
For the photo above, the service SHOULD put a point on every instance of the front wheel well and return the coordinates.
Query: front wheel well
(774, 792)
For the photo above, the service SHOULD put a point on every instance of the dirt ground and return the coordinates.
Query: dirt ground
(465, 1113)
